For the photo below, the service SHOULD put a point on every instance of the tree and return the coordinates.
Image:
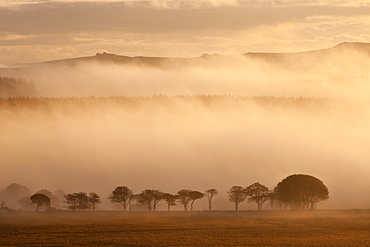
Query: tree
(4, 208)
(210, 194)
(72, 201)
(195, 195)
(15, 192)
(302, 191)
(78, 201)
(150, 198)
(237, 195)
(184, 198)
(40, 200)
(273, 196)
(131, 199)
(94, 200)
(170, 200)
(257, 193)
(53, 199)
(121, 195)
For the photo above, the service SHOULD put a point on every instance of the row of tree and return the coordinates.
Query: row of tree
(294, 192)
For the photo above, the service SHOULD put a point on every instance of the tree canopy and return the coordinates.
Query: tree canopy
(237, 195)
(78, 201)
(257, 193)
(301, 191)
(121, 195)
(195, 195)
(150, 198)
(40, 200)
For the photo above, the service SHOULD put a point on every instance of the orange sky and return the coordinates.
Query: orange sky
(39, 30)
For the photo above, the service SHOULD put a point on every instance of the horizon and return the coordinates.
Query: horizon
(199, 56)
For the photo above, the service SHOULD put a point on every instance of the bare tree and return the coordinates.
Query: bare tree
(121, 195)
(237, 195)
(257, 193)
(210, 194)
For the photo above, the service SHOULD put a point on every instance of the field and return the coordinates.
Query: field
(248, 228)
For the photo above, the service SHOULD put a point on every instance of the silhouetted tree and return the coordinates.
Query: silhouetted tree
(94, 200)
(210, 194)
(4, 208)
(78, 201)
(121, 195)
(53, 199)
(237, 195)
(302, 191)
(40, 200)
(131, 199)
(170, 200)
(257, 193)
(195, 195)
(184, 198)
(273, 196)
(150, 198)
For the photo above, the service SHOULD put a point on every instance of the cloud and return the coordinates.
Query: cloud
(185, 28)
(177, 4)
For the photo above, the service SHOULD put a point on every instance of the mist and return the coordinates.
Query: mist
(192, 142)
(338, 73)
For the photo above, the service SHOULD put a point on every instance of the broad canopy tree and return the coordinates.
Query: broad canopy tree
(237, 194)
(150, 198)
(194, 195)
(40, 200)
(301, 191)
(184, 198)
(170, 200)
(78, 201)
(121, 195)
(257, 193)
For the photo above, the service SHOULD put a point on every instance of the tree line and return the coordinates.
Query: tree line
(295, 192)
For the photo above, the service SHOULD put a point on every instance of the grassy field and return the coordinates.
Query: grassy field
(319, 228)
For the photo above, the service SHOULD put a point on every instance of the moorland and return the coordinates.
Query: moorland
(203, 228)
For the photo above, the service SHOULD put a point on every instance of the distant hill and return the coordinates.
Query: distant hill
(163, 62)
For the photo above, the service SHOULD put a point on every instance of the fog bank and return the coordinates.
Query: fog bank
(195, 143)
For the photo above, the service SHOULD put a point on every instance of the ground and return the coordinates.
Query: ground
(219, 228)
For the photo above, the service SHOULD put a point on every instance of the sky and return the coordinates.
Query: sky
(40, 30)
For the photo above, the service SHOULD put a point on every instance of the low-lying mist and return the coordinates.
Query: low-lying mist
(192, 142)
(195, 143)
(336, 73)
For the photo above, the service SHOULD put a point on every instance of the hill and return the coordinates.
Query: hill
(322, 54)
